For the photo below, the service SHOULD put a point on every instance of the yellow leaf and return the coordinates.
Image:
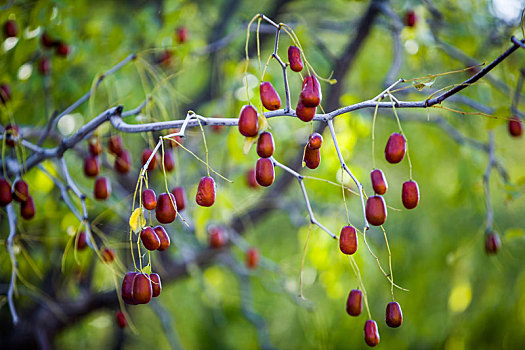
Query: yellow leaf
(137, 220)
(263, 122)
(248, 143)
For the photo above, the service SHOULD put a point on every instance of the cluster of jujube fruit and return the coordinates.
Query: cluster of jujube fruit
(139, 288)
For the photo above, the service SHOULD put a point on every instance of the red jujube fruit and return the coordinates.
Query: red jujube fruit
(264, 172)
(149, 200)
(371, 333)
(123, 162)
(145, 156)
(165, 210)
(348, 240)
(354, 303)
(115, 145)
(180, 197)
(410, 194)
(206, 192)
(251, 181)
(515, 126)
(492, 243)
(127, 288)
(294, 57)
(91, 166)
(410, 18)
(169, 162)
(248, 121)
(163, 238)
(5, 193)
(311, 94)
(394, 316)
(379, 183)
(121, 319)
(269, 97)
(27, 208)
(102, 188)
(149, 238)
(20, 191)
(312, 157)
(395, 148)
(12, 133)
(156, 286)
(376, 210)
(265, 145)
(81, 241)
(217, 237)
(252, 258)
(108, 255)
(10, 28)
(94, 146)
(142, 290)
(315, 141)
(304, 113)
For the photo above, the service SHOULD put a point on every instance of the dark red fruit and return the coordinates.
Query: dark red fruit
(94, 146)
(206, 192)
(306, 114)
(410, 194)
(269, 97)
(142, 290)
(102, 188)
(354, 303)
(62, 49)
(252, 258)
(378, 181)
(180, 197)
(123, 162)
(20, 191)
(251, 181)
(169, 162)
(395, 148)
(145, 156)
(294, 57)
(217, 237)
(394, 316)
(44, 66)
(165, 58)
(182, 35)
(10, 29)
(165, 211)
(12, 134)
(315, 141)
(108, 255)
(492, 243)
(5, 93)
(264, 172)
(371, 333)
(376, 210)
(27, 208)
(348, 240)
(5, 193)
(248, 121)
(410, 18)
(149, 238)
(121, 319)
(47, 41)
(163, 238)
(515, 126)
(311, 94)
(115, 145)
(91, 166)
(312, 157)
(156, 286)
(81, 241)
(265, 146)
(149, 199)
(127, 288)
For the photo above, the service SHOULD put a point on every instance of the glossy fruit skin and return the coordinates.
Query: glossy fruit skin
(27, 208)
(378, 180)
(251, 181)
(127, 288)
(165, 211)
(410, 19)
(182, 35)
(142, 290)
(515, 126)
(5, 193)
(354, 303)
(376, 210)
(348, 240)
(492, 243)
(91, 166)
(108, 255)
(180, 197)
(410, 194)
(149, 238)
(252, 258)
(206, 192)
(149, 199)
(395, 148)
(62, 49)
(248, 121)
(20, 191)
(5, 93)
(315, 141)
(10, 29)
(169, 162)
(265, 145)
(269, 97)
(81, 241)
(123, 162)
(115, 145)
(44, 66)
(164, 238)
(304, 113)
(294, 57)
(311, 95)
(371, 333)
(121, 319)
(12, 133)
(264, 172)
(145, 156)
(312, 157)
(156, 285)
(217, 237)
(394, 315)
(102, 188)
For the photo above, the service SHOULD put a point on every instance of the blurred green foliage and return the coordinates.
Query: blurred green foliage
(459, 298)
